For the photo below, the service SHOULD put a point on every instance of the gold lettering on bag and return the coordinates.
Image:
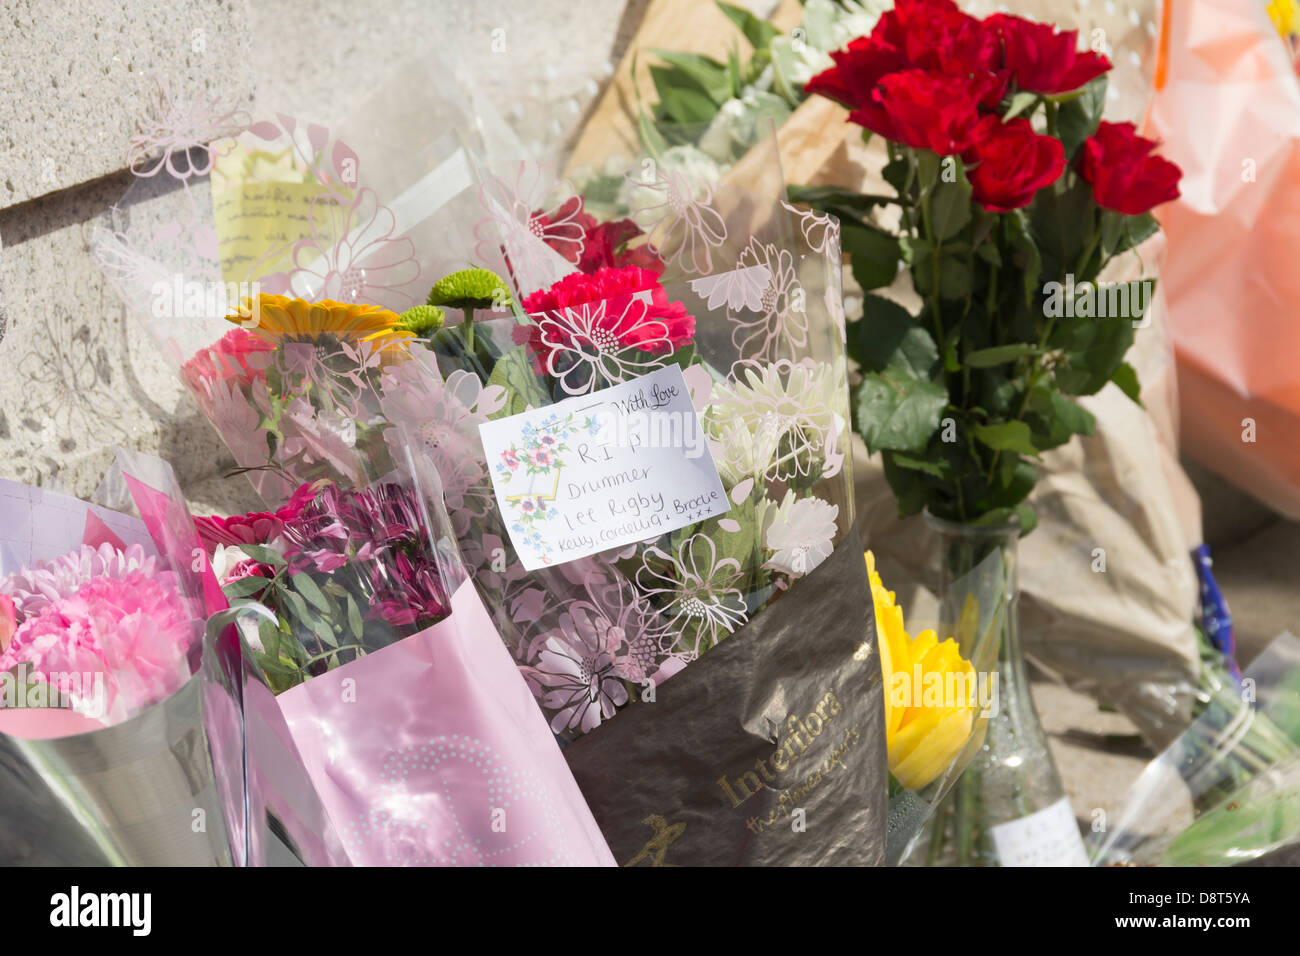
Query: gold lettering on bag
(657, 846)
(800, 732)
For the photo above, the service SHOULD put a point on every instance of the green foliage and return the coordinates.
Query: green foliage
(514, 372)
(757, 31)
(962, 396)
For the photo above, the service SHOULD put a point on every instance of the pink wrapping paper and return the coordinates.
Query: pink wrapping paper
(1227, 107)
(432, 751)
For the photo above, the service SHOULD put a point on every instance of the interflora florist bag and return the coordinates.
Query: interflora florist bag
(418, 733)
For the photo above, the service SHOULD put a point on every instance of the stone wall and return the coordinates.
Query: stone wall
(77, 376)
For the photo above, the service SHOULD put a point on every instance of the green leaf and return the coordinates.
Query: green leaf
(837, 201)
(873, 254)
(652, 140)
(1094, 350)
(950, 207)
(954, 277)
(1027, 517)
(1078, 118)
(1126, 378)
(758, 32)
(1025, 252)
(1022, 101)
(1137, 230)
(880, 332)
(733, 74)
(308, 588)
(245, 587)
(999, 354)
(1006, 436)
(684, 106)
(939, 468)
(264, 555)
(1054, 418)
(906, 485)
(895, 410)
(514, 372)
(895, 173)
(354, 618)
(691, 71)
(269, 633)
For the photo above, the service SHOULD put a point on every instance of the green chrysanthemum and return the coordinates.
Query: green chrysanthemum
(471, 289)
(422, 320)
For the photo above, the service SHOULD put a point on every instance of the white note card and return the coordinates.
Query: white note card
(1049, 837)
(600, 471)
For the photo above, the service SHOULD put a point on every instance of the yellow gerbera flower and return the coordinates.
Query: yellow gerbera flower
(278, 317)
(1284, 14)
(930, 700)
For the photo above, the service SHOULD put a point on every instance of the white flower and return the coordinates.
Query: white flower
(225, 557)
(799, 533)
(793, 415)
(742, 122)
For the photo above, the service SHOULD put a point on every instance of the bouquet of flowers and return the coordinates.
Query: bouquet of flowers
(1236, 768)
(106, 681)
(643, 460)
(349, 591)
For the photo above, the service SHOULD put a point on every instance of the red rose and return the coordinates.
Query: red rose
(603, 244)
(858, 68)
(916, 34)
(1009, 162)
(606, 247)
(570, 214)
(623, 291)
(1125, 176)
(938, 36)
(1042, 59)
(924, 109)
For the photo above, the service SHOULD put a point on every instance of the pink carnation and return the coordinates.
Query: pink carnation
(136, 630)
(46, 581)
(8, 621)
(239, 358)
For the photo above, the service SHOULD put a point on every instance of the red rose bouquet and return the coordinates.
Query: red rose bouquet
(1012, 195)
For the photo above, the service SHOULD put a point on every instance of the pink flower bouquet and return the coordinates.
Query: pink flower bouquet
(418, 732)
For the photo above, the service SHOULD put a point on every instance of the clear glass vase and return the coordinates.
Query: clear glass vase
(1008, 808)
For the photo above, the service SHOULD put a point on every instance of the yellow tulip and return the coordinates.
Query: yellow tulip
(926, 724)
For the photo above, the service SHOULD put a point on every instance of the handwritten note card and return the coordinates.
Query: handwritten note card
(595, 472)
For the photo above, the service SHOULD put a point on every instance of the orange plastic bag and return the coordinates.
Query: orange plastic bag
(1227, 107)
